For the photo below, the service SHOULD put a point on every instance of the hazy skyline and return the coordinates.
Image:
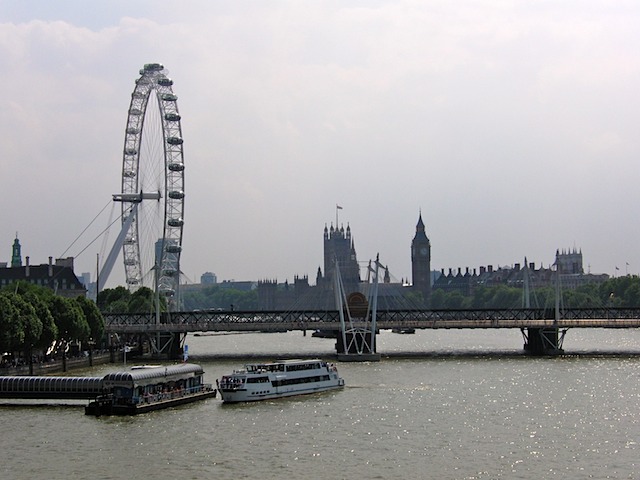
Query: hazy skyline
(512, 126)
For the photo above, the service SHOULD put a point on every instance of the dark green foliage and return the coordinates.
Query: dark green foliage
(49, 327)
(11, 332)
(121, 300)
(93, 317)
(621, 292)
(144, 300)
(28, 320)
(111, 299)
(72, 325)
(32, 316)
(615, 292)
(23, 288)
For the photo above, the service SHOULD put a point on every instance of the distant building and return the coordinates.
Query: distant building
(570, 272)
(16, 256)
(569, 262)
(243, 286)
(275, 296)
(208, 278)
(340, 248)
(58, 277)
(85, 279)
(421, 261)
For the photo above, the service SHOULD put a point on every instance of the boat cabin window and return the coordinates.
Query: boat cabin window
(302, 366)
(257, 379)
(269, 367)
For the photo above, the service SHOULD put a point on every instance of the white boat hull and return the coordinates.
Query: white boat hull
(277, 380)
(230, 396)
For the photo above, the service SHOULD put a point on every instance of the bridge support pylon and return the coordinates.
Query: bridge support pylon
(543, 341)
(357, 338)
(357, 348)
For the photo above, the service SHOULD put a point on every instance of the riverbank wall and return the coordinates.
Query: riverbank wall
(58, 366)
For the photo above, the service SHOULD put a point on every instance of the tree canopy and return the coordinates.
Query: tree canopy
(34, 317)
(615, 292)
(121, 300)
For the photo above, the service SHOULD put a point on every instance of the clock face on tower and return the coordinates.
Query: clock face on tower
(423, 251)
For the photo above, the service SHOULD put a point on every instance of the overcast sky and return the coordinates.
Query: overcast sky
(512, 126)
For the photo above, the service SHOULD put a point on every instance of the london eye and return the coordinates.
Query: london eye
(152, 187)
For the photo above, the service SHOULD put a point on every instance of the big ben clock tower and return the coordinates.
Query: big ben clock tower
(421, 262)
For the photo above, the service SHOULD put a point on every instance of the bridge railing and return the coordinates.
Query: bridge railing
(203, 321)
(220, 318)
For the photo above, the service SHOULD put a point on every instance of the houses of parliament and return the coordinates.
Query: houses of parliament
(339, 248)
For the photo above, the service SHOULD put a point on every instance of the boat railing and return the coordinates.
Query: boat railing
(230, 383)
(162, 396)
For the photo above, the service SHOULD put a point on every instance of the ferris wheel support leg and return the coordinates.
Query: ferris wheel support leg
(115, 250)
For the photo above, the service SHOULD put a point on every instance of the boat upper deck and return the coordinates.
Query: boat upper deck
(152, 375)
(283, 366)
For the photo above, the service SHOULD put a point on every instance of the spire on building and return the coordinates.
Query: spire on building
(421, 261)
(16, 256)
(420, 224)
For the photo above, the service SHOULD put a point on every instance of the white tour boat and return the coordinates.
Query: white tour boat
(282, 378)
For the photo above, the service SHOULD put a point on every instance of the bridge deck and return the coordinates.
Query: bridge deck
(212, 321)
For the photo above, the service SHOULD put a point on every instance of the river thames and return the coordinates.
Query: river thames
(443, 405)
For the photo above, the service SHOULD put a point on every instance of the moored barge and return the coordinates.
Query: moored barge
(150, 388)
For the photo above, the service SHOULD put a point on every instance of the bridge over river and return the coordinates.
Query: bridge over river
(543, 329)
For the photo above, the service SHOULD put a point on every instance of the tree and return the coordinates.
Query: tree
(415, 298)
(438, 299)
(505, 297)
(111, 299)
(121, 300)
(92, 316)
(22, 287)
(455, 300)
(49, 328)
(11, 332)
(21, 322)
(144, 300)
(30, 324)
(71, 323)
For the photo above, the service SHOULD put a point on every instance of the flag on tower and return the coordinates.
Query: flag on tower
(338, 207)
